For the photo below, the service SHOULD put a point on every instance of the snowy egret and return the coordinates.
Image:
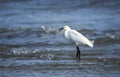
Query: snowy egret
(75, 37)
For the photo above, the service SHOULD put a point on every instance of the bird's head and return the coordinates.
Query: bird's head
(65, 28)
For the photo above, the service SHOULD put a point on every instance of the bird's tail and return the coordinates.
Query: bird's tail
(91, 44)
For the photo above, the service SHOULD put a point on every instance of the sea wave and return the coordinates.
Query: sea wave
(29, 41)
(42, 35)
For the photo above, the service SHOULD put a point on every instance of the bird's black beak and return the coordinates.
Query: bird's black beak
(60, 29)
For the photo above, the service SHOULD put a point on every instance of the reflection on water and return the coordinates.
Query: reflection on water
(30, 44)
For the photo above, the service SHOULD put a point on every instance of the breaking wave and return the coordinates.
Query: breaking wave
(27, 41)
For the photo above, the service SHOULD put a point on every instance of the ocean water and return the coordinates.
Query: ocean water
(31, 46)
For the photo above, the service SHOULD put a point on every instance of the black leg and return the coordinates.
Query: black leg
(78, 52)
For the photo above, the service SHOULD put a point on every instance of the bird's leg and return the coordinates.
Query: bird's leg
(78, 52)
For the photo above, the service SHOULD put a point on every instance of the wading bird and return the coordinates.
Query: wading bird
(75, 37)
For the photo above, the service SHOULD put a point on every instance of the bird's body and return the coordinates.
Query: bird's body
(76, 38)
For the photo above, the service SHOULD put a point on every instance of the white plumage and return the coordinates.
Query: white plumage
(76, 37)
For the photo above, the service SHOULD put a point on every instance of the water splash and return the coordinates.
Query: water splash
(113, 36)
(20, 51)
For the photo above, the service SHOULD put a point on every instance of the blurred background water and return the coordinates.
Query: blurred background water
(30, 45)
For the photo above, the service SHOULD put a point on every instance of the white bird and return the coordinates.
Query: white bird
(76, 38)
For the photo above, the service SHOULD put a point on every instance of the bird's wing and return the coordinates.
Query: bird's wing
(79, 38)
